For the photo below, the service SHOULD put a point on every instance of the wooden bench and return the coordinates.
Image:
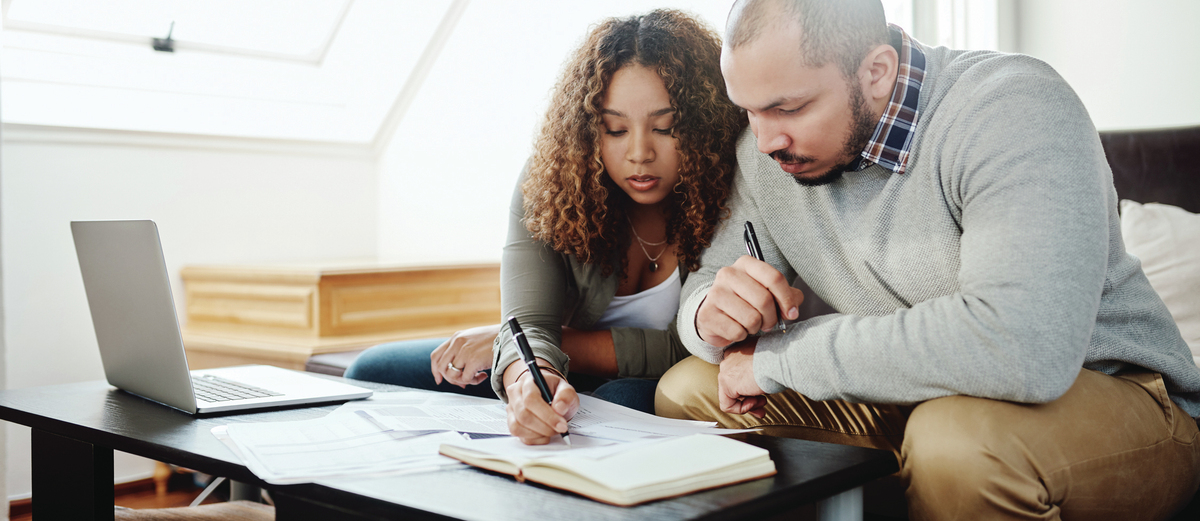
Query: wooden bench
(285, 314)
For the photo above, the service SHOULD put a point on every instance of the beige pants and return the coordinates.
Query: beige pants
(1110, 448)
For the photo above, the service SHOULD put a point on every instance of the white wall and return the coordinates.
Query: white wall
(1133, 63)
(3, 372)
(212, 204)
(448, 171)
(438, 192)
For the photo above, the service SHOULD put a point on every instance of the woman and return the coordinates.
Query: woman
(626, 185)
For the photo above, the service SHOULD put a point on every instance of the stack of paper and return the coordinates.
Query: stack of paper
(402, 432)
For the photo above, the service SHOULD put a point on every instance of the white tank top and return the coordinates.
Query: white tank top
(652, 308)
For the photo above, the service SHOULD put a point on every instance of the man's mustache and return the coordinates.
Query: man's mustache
(783, 156)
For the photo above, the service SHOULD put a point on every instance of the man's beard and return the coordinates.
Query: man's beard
(863, 124)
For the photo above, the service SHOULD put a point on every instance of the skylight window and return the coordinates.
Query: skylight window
(299, 29)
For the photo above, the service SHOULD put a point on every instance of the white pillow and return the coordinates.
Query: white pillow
(1167, 240)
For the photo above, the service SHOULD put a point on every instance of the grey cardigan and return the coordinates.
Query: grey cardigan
(993, 267)
(546, 290)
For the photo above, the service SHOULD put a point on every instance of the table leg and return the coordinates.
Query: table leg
(239, 491)
(847, 506)
(294, 508)
(71, 479)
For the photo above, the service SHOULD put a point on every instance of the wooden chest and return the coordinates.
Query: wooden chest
(282, 315)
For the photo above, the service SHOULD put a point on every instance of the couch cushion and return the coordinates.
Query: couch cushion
(1155, 166)
(1167, 240)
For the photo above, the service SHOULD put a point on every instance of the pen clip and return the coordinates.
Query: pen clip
(752, 247)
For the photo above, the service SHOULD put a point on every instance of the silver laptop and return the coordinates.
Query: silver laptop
(129, 294)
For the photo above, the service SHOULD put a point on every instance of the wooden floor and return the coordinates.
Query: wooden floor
(139, 494)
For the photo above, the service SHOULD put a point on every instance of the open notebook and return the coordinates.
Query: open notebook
(636, 474)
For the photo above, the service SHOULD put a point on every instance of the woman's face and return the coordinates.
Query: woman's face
(637, 147)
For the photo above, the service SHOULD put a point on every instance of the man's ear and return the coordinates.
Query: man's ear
(878, 73)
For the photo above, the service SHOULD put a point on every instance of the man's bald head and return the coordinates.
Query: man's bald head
(837, 31)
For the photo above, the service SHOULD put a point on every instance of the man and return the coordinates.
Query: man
(956, 209)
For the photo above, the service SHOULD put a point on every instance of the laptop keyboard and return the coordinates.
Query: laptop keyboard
(210, 388)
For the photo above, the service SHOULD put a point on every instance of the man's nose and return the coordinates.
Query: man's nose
(770, 136)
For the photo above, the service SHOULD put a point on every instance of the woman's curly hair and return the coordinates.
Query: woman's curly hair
(570, 201)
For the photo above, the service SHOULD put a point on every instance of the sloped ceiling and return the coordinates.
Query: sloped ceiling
(314, 70)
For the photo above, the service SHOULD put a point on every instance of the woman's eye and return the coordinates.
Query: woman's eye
(664, 131)
(615, 132)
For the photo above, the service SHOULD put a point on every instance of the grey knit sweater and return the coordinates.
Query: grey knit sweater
(993, 267)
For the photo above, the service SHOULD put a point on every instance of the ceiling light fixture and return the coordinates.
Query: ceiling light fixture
(165, 44)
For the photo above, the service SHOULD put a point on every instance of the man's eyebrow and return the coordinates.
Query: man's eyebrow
(782, 101)
(655, 114)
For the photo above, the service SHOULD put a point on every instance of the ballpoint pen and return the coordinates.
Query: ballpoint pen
(754, 250)
(527, 356)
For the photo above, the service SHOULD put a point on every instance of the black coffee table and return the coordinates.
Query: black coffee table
(75, 428)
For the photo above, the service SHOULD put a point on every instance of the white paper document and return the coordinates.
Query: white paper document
(336, 445)
(584, 446)
(486, 419)
(608, 421)
(401, 432)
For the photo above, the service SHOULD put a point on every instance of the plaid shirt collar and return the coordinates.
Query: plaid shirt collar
(889, 145)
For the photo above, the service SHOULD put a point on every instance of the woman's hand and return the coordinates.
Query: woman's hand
(530, 418)
(462, 359)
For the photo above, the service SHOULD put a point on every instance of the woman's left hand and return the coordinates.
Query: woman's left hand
(463, 358)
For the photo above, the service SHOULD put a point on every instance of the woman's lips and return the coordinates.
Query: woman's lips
(642, 183)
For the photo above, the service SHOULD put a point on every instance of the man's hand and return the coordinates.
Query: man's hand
(738, 391)
(742, 301)
(530, 418)
(462, 359)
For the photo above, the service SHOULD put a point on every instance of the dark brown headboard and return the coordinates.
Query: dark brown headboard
(1156, 166)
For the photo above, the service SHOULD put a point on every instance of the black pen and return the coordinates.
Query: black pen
(754, 250)
(527, 356)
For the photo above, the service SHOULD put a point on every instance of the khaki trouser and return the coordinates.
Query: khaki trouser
(1112, 447)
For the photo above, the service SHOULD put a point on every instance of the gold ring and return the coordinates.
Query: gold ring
(450, 365)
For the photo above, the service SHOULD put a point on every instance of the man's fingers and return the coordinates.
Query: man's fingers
(782, 292)
(777, 291)
(729, 310)
(747, 294)
(750, 306)
(717, 328)
(738, 392)
(729, 403)
(756, 405)
(789, 303)
(758, 310)
(746, 404)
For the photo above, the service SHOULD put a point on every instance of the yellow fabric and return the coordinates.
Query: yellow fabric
(689, 391)
(1112, 447)
(231, 511)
